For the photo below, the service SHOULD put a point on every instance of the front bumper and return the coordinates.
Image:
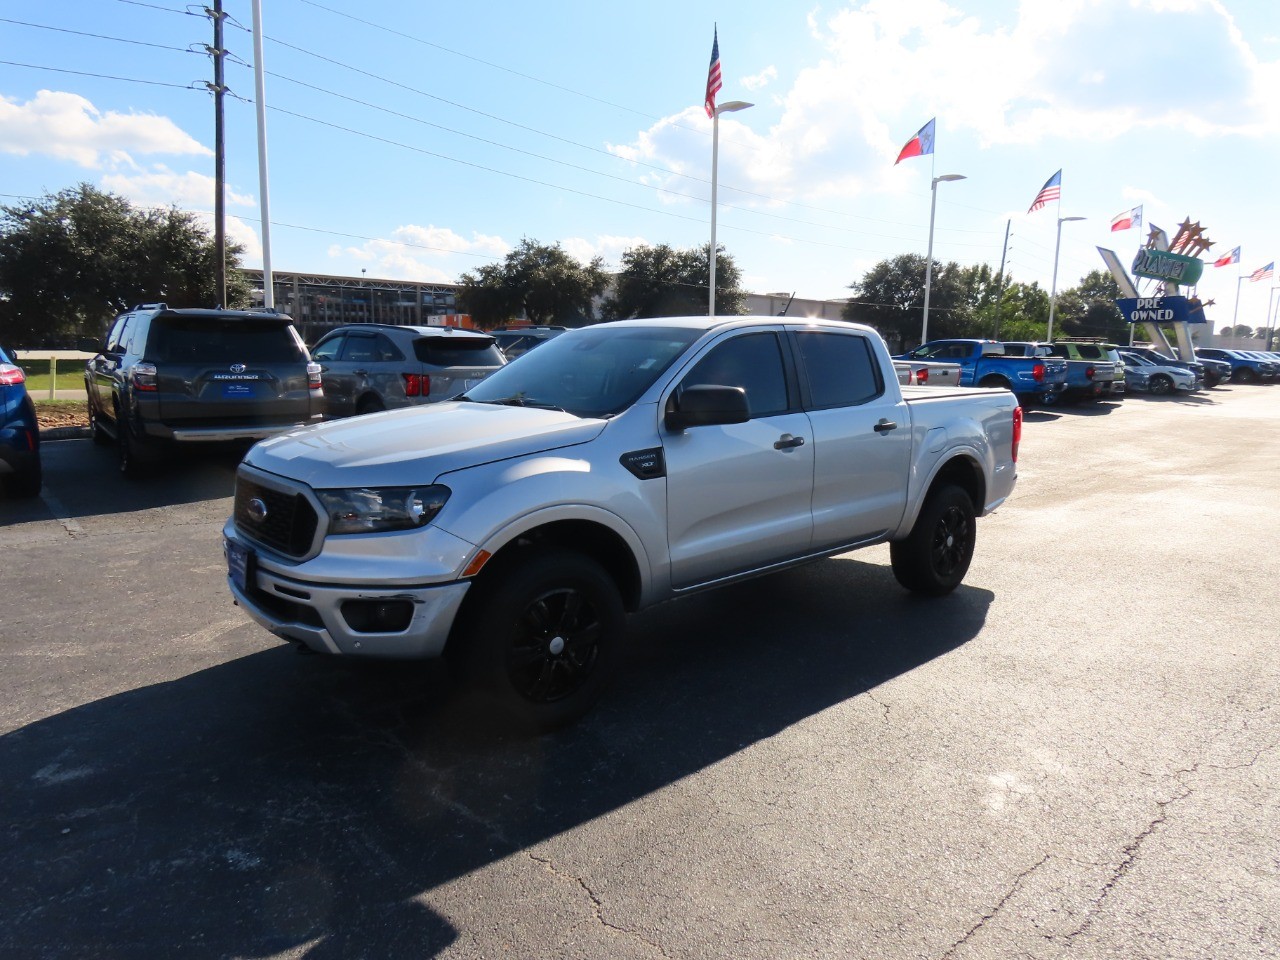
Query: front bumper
(311, 614)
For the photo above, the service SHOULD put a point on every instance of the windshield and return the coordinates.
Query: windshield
(591, 372)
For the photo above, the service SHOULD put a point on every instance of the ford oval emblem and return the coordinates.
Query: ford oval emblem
(238, 368)
(257, 510)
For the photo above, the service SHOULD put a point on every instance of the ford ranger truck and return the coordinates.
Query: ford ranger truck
(617, 466)
(986, 363)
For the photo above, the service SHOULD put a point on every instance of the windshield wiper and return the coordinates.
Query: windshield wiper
(521, 401)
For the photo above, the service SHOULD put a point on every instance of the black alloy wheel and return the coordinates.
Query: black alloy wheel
(1161, 385)
(543, 631)
(935, 556)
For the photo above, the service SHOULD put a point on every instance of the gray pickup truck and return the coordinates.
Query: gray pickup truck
(615, 467)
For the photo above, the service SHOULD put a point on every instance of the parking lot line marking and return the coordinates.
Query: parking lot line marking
(63, 515)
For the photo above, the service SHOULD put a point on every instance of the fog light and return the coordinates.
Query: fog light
(378, 616)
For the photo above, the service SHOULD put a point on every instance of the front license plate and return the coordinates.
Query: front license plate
(239, 564)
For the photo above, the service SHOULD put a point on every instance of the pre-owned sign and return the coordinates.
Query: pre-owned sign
(1160, 310)
(1162, 265)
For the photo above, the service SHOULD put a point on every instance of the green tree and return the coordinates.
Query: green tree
(890, 297)
(1089, 309)
(1023, 313)
(661, 281)
(542, 282)
(71, 261)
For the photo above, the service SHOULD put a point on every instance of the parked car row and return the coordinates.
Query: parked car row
(1078, 370)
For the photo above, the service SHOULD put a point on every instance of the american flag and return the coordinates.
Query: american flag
(1052, 190)
(1263, 272)
(714, 82)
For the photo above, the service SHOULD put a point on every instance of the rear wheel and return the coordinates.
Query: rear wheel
(136, 456)
(542, 637)
(100, 435)
(935, 556)
(370, 404)
(1161, 385)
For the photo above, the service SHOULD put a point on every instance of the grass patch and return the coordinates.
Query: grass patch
(70, 374)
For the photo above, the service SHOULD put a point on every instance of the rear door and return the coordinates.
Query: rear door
(326, 354)
(861, 438)
(214, 370)
(456, 364)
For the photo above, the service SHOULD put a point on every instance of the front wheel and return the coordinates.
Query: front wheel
(935, 556)
(544, 634)
(994, 382)
(100, 435)
(1161, 385)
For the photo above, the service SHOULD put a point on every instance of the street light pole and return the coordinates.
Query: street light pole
(729, 107)
(1053, 289)
(928, 268)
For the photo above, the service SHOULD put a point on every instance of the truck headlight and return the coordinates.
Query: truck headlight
(375, 509)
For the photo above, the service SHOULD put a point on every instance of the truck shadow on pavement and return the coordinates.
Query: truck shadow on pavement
(277, 802)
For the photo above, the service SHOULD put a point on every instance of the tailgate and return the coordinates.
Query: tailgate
(232, 393)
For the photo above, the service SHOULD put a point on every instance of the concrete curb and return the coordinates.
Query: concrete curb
(65, 433)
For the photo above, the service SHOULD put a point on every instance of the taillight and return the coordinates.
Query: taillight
(10, 375)
(415, 384)
(922, 377)
(1037, 373)
(1017, 431)
(313, 377)
(1089, 373)
(143, 376)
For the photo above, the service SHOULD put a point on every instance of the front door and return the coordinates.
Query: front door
(738, 495)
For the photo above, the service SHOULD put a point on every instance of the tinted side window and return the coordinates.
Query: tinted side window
(328, 349)
(116, 335)
(360, 349)
(1089, 351)
(841, 369)
(1058, 351)
(753, 362)
(387, 351)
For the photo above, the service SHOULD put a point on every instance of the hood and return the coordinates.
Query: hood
(416, 445)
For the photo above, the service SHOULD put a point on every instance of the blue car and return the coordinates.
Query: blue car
(1244, 368)
(19, 433)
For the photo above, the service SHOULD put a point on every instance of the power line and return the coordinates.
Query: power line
(96, 76)
(96, 36)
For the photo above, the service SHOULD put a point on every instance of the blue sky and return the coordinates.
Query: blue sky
(418, 140)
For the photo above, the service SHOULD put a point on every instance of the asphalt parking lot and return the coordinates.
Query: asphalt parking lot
(1074, 755)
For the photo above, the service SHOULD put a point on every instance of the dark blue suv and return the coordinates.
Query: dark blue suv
(19, 432)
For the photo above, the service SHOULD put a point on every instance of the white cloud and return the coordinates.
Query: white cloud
(162, 187)
(610, 248)
(761, 79)
(427, 254)
(1062, 71)
(69, 127)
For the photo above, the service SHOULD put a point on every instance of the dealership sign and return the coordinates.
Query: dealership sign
(1161, 310)
(1162, 265)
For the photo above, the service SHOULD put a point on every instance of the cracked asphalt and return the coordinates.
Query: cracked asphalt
(1074, 756)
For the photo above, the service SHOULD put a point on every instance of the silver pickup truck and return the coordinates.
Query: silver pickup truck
(615, 467)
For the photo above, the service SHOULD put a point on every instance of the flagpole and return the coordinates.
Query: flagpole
(1235, 314)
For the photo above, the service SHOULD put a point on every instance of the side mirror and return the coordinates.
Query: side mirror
(705, 405)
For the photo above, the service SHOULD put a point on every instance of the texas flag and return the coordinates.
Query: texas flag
(919, 145)
(1127, 220)
(1231, 257)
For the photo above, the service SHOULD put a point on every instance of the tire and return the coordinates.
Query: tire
(134, 455)
(1247, 375)
(100, 435)
(1161, 386)
(371, 404)
(542, 635)
(994, 382)
(935, 556)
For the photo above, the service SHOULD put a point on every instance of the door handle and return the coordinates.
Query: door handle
(360, 373)
(884, 426)
(787, 441)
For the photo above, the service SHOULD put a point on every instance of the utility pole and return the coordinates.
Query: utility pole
(1000, 288)
(219, 161)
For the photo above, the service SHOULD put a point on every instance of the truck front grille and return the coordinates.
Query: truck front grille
(285, 522)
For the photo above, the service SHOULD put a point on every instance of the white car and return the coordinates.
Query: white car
(1143, 374)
